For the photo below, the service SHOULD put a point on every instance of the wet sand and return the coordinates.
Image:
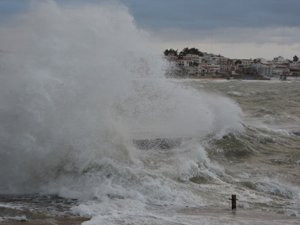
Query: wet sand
(249, 217)
(48, 221)
(191, 216)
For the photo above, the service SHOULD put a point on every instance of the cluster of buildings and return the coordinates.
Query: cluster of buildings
(210, 65)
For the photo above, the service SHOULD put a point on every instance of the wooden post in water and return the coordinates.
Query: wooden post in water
(233, 202)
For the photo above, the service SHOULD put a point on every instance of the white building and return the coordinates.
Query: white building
(295, 68)
(213, 68)
(263, 67)
(280, 66)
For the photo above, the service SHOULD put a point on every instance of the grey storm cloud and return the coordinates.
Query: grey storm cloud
(235, 35)
(264, 27)
(196, 14)
(212, 14)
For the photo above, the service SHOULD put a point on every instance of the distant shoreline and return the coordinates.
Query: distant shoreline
(290, 78)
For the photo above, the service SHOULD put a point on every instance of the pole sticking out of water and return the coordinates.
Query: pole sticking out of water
(233, 202)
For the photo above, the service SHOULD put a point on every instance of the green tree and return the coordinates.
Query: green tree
(193, 51)
(257, 60)
(238, 62)
(171, 51)
(295, 58)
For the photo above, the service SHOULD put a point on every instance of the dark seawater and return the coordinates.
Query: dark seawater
(265, 158)
(37, 209)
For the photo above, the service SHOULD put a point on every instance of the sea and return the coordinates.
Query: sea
(92, 132)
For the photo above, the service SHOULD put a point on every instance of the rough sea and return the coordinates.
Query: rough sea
(92, 132)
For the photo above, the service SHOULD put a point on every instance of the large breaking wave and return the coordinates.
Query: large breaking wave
(77, 86)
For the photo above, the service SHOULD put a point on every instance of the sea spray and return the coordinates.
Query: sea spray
(77, 86)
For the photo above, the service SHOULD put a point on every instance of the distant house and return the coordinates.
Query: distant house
(213, 68)
(202, 69)
(244, 66)
(280, 66)
(191, 60)
(193, 63)
(280, 60)
(263, 67)
(226, 65)
(295, 69)
(246, 62)
(280, 70)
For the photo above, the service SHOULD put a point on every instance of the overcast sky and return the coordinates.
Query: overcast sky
(234, 28)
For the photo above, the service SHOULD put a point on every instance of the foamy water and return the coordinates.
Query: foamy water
(83, 93)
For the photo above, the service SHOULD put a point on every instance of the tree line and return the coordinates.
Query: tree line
(184, 52)
(195, 51)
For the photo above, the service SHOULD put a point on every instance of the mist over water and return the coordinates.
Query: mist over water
(79, 83)
(77, 86)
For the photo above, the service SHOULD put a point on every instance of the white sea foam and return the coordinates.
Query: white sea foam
(10, 206)
(235, 93)
(22, 218)
(76, 87)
